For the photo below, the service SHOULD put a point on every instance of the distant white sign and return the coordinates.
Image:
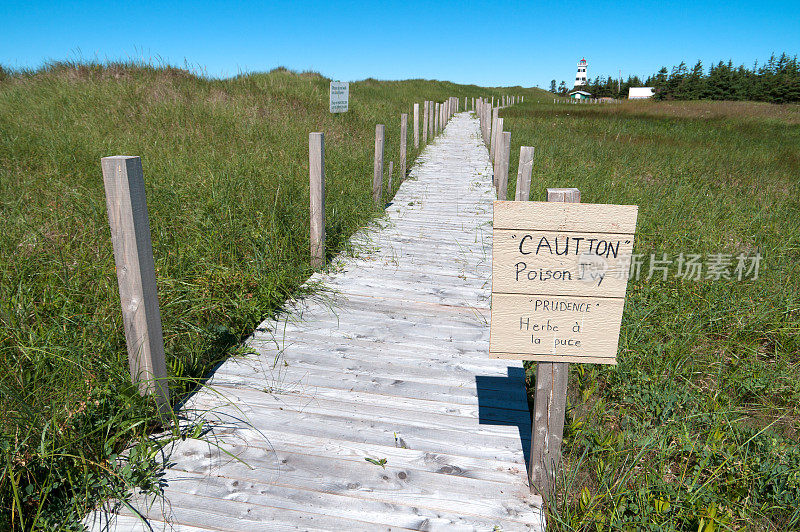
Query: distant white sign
(340, 96)
(638, 93)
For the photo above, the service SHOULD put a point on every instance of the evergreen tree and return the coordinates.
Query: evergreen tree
(553, 86)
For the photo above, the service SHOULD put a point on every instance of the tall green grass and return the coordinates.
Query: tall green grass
(696, 428)
(225, 165)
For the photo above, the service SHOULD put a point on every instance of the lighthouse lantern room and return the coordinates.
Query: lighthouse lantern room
(580, 77)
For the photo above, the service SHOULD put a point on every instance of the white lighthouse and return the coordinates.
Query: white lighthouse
(580, 77)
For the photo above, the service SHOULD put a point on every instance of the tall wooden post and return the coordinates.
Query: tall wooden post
(498, 132)
(316, 174)
(503, 157)
(391, 173)
(437, 117)
(425, 122)
(416, 126)
(495, 129)
(377, 176)
(403, 144)
(123, 179)
(550, 401)
(524, 170)
(432, 119)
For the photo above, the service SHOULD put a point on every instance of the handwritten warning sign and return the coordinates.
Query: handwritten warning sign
(559, 274)
(340, 96)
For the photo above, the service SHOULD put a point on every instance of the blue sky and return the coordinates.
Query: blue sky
(487, 43)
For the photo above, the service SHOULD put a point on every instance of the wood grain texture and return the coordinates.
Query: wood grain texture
(123, 179)
(388, 360)
(590, 326)
(497, 137)
(504, 155)
(377, 176)
(316, 170)
(524, 172)
(586, 217)
(568, 263)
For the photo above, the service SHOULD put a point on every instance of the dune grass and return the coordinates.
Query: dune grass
(226, 171)
(696, 428)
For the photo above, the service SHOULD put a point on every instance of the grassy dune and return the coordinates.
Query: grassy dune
(225, 164)
(698, 423)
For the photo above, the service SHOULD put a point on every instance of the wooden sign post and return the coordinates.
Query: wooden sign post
(559, 275)
(339, 96)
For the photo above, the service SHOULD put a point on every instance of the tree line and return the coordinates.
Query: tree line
(776, 81)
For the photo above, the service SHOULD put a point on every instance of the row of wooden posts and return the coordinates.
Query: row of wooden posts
(585, 100)
(499, 144)
(123, 179)
(435, 116)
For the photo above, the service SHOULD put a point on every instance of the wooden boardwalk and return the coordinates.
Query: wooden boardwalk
(388, 362)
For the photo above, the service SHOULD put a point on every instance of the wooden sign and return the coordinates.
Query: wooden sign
(340, 96)
(559, 274)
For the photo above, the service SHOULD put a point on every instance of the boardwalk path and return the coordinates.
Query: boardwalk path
(390, 362)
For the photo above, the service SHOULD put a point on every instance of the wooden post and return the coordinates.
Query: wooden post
(123, 179)
(550, 402)
(416, 126)
(316, 173)
(487, 124)
(431, 119)
(425, 122)
(524, 170)
(391, 173)
(403, 144)
(497, 138)
(503, 157)
(377, 176)
(492, 133)
(437, 119)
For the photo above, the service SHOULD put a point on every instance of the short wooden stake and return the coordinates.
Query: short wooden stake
(391, 173)
(524, 171)
(437, 119)
(316, 173)
(416, 126)
(377, 176)
(550, 402)
(123, 179)
(403, 144)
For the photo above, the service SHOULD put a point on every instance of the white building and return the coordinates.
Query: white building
(580, 77)
(640, 93)
(580, 95)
